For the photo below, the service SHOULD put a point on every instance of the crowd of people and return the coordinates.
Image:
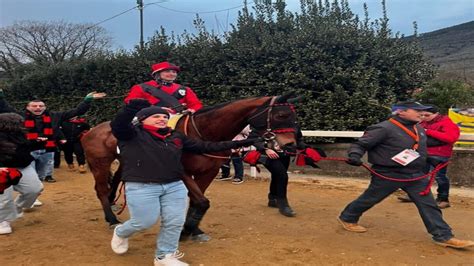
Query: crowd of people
(415, 140)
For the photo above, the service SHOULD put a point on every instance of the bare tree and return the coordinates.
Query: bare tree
(50, 42)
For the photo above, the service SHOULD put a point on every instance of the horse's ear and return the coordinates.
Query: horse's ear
(283, 98)
(296, 99)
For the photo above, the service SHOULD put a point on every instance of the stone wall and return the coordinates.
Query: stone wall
(460, 170)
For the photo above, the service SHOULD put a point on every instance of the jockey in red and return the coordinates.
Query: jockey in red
(163, 92)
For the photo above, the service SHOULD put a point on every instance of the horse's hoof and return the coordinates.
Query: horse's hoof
(200, 238)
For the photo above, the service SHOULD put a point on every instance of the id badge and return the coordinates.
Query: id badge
(406, 156)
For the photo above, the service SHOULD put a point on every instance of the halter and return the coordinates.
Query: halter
(269, 136)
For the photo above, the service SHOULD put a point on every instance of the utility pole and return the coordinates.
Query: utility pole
(140, 8)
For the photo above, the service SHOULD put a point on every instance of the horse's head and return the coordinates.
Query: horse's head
(276, 122)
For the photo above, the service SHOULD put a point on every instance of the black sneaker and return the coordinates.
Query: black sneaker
(49, 179)
(223, 178)
(237, 180)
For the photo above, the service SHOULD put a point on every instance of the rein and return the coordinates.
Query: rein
(121, 189)
(431, 174)
(193, 123)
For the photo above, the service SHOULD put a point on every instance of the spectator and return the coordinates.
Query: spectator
(73, 129)
(43, 131)
(236, 158)
(12, 134)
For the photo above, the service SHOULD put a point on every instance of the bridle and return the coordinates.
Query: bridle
(269, 134)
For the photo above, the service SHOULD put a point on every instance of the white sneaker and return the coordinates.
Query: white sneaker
(37, 203)
(119, 245)
(171, 260)
(5, 228)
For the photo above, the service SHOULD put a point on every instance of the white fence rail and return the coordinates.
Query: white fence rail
(350, 134)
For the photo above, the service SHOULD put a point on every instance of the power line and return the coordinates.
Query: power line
(119, 14)
(192, 12)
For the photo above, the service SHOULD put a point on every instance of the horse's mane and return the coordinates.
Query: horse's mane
(211, 108)
(207, 109)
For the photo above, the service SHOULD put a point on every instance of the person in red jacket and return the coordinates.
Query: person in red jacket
(442, 134)
(162, 91)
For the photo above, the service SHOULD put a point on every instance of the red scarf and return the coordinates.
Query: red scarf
(154, 131)
(33, 133)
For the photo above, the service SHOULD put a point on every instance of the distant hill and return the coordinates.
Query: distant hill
(452, 49)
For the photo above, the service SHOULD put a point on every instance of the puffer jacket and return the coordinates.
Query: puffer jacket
(444, 130)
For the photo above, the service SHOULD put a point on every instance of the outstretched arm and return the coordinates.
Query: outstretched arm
(198, 146)
(82, 108)
(122, 127)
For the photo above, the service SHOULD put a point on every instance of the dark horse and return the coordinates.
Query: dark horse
(273, 117)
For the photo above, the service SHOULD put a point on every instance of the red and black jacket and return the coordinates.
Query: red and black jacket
(181, 93)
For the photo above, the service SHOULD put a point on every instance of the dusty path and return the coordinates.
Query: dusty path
(70, 230)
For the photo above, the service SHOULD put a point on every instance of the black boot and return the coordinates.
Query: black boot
(285, 208)
(272, 201)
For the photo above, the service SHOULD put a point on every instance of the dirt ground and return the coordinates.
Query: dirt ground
(69, 229)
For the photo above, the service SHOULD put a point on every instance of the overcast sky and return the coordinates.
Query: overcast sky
(177, 15)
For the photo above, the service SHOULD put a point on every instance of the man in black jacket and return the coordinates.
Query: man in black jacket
(397, 148)
(150, 154)
(73, 129)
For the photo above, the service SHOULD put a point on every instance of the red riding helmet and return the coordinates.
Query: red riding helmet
(163, 66)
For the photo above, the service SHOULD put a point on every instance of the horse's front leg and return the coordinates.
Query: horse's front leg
(100, 171)
(198, 206)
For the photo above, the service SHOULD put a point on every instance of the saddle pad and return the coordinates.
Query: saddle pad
(174, 120)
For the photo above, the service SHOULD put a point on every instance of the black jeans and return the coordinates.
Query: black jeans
(238, 167)
(379, 189)
(75, 147)
(57, 158)
(279, 176)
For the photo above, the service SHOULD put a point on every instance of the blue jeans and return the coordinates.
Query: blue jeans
(441, 178)
(238, 167)
(44, 163)
(427, 207)
(149, 201)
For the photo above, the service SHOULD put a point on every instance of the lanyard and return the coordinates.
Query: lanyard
(414, 136)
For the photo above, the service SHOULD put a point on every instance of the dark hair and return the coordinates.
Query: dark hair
(11, 123)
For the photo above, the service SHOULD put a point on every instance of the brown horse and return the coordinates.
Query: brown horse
(272, 117)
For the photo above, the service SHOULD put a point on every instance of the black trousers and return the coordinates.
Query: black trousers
(74, 147)
(380, 188)
(57, 158)
(279, 176)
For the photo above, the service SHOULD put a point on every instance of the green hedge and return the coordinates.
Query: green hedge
(349, 69)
